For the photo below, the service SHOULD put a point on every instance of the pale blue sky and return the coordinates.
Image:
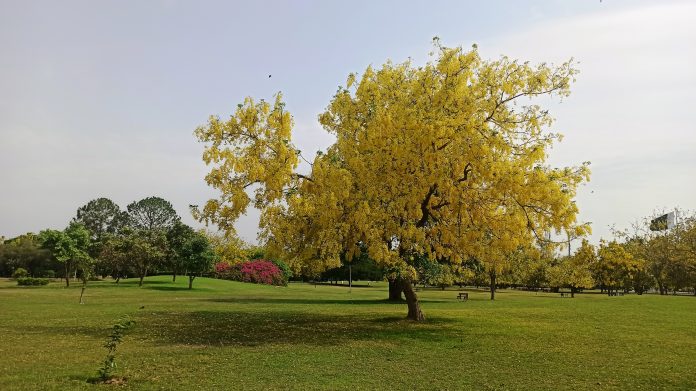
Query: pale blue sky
(101, 98)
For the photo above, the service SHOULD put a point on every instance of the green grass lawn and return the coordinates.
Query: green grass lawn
(228, 335)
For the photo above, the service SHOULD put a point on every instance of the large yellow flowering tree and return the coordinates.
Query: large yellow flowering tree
(445, 160)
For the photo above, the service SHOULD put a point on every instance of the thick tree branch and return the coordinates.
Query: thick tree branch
(424, 207)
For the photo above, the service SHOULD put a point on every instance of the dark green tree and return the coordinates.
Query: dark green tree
(69, 247)
(144, 250)
(152, 213)
(197, 256)
(177, 237)
(101, 216)
(113, 255)
(25, 252)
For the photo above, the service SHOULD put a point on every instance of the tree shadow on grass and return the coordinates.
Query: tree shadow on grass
(173, 288)
(153, 285)
(291, 300)
(257, 328)
(69, 330)
(235, 328)
(131, 282)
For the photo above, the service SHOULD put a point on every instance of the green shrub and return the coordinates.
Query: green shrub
(227, 271)
(20, 273)
(48, 273)
(284, 268)
(31, 281)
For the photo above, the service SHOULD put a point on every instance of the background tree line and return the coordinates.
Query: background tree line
(148, 237)
(637, 261)
(103, 240)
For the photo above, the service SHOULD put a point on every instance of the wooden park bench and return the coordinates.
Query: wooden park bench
(463, 296)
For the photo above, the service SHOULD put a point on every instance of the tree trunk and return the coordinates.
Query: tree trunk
(174, 276)
(395, 289)
(83, 292)
(414, 310)
(67, 275)
(191, 277)
(143, 273)
(493, 277)
(572, 292)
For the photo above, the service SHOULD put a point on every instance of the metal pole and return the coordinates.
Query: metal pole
(350, 278)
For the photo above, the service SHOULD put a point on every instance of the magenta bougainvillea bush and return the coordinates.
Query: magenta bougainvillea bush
(261, 271)
(258, 271)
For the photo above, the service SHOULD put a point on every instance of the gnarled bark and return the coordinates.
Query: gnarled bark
(414, 310)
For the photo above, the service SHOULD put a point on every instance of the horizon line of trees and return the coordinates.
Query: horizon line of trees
(645, 259)
(149, 238)
(103, 240)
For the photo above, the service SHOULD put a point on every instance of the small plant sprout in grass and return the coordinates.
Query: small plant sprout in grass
(105, 373)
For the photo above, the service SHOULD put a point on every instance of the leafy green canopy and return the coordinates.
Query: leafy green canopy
(152, 213)
(70, 247)
(101, 216)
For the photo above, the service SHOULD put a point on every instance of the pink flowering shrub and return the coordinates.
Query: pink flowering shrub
(259, 271)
